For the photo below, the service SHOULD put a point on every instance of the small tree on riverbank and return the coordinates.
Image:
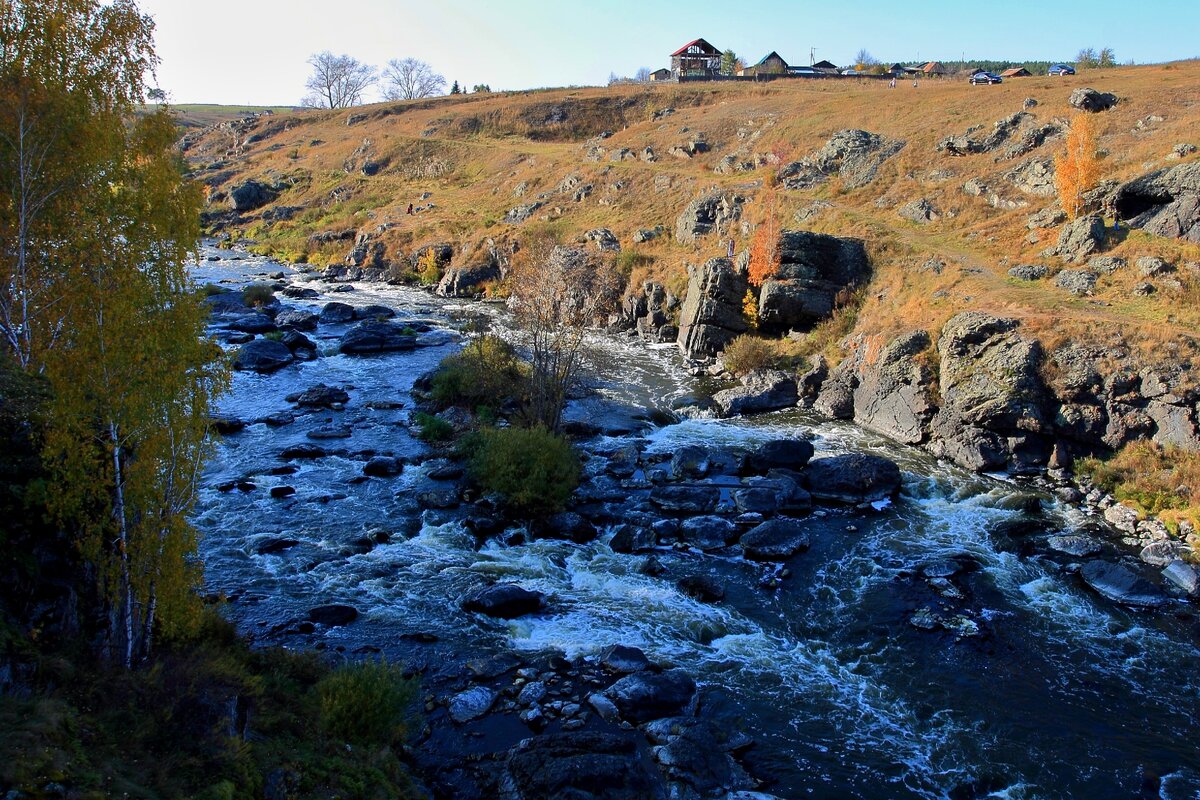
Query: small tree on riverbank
(557, 292)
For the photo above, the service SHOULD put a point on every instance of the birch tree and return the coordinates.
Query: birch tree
(98, 222)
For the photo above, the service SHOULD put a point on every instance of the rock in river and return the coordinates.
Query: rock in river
(377, 337)
(761, 390)
(780, 454)
(262, 355)
(333, 615)
(644, 696)
(853, 478)
(1121, 585)
(471, 704)
(775, 540)
(580, 765)
(505, 601)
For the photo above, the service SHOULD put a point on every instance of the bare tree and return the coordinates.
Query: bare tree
(557, 293)
(865, 59)
(337, 81)
(410, 79)
(642, 75)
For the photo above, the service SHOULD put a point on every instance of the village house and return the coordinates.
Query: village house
(826, 67)
(663, 74)
(1016, 72)
(771, 64)
(696, 59)
(935, 69)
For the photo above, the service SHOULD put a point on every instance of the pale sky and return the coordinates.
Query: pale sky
(253, 52)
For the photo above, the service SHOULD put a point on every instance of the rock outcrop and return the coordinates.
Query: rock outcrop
(854, 155)
(708, 214)
(761, 390)
(994, 411)
(1092, 101)
(1165, 202)
(1079, 240)
(814, 269)
(712, 312)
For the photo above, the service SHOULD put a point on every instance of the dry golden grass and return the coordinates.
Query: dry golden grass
(1164, 482)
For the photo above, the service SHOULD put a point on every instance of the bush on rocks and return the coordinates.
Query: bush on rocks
(747, 353)
(367, 702)
(532, 469)
(485, 373)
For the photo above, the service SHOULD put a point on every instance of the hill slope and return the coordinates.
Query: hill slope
(486, 173)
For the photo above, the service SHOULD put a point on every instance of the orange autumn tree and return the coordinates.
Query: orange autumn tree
(764, 246)
(1077, 168)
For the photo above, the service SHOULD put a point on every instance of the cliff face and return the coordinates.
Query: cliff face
(987, 325)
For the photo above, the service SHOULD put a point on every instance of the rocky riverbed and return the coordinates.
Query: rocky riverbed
(777, 605)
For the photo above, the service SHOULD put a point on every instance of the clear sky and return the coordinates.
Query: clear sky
(253, 51)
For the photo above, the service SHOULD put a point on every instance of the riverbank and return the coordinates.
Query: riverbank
(856, 672)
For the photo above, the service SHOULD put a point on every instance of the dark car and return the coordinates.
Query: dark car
(985, 77)
(1062, 69)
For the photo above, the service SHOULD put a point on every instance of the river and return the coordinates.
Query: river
(1061, 695)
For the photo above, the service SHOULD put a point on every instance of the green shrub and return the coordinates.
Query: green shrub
(431, 428)
(211, 290)
(532, 469)
(486, 372)
(747, 353)
(274, 336)
(258, 294)
(366, 703)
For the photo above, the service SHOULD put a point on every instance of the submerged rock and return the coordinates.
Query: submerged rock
(333, 615)
(377, 337)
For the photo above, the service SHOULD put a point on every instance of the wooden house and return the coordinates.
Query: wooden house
(696, 59)
(1016, 72)
(935, 68)
(663, 74)
(771, 64)
(826, 67)
(898, 70)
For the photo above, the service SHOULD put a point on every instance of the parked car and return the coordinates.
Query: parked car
(1062, 69)
(850, 71)
(985, 77)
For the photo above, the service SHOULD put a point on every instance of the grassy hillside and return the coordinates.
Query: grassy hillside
(475, 157)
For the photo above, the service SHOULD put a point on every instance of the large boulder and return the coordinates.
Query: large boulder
(580, 765)
(995, 411)
(854, 155)
(333, 615)
(336, 314)
(251, 195)
(1121, 585)
(707, 214)
(468, 280)
(853, 478)
(262, 355)
(506, 601)
(761, 390)
(1092, 101)
(775, 540)
(1165, 202)
(1079, 240)
(708, 532)
(644, 696)
(814, 269)
(297, 320)
(375, 336)
(712, 316)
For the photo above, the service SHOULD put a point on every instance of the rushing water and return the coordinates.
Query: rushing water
(1065, 696)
